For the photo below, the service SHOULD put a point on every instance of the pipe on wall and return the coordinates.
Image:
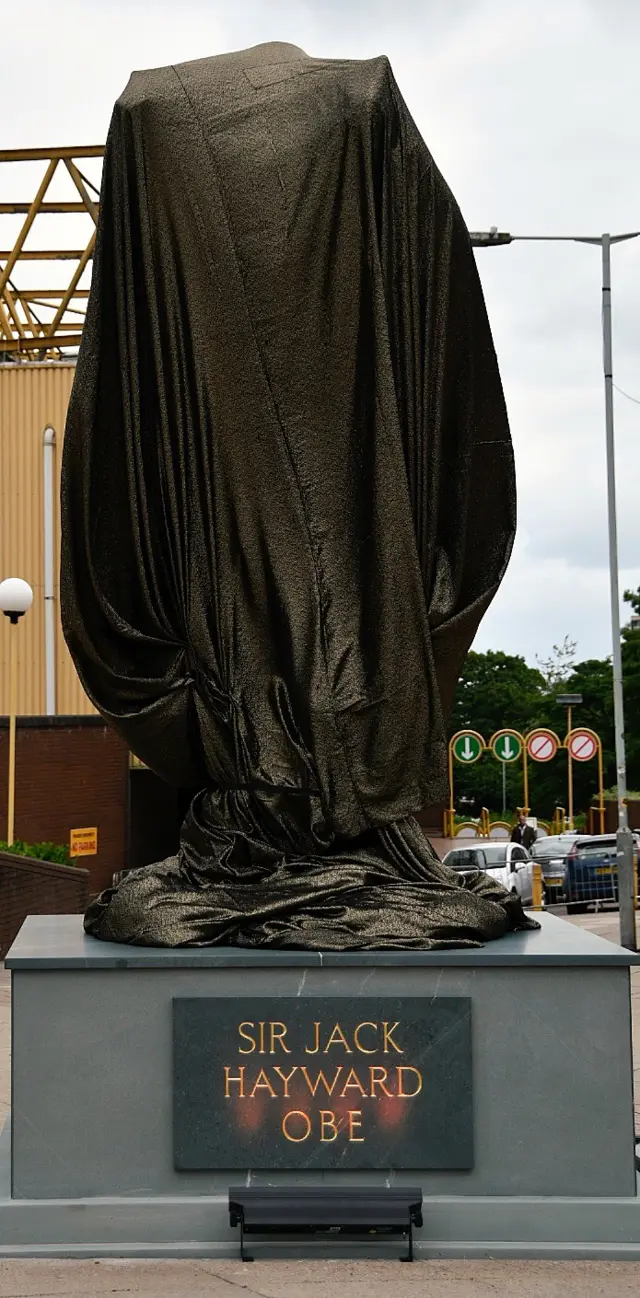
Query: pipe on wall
(48, 451)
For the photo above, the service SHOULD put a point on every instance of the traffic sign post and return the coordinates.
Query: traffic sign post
(582, 745)
(569, 701)
(506, 745)
(467, 746)
(542, 745)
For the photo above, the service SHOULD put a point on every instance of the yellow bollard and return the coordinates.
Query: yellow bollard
(537, 886)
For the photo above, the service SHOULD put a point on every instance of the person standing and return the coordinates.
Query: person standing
(523, 832)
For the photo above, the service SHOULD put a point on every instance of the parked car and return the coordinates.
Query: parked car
(551, 853)
(591, 871)
(509, 863)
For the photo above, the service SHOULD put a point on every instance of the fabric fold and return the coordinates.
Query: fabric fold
(288, 498)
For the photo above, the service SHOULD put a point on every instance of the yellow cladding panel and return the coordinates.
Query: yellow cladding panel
(32, 396)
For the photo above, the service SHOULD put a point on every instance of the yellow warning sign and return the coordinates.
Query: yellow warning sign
(83, 842)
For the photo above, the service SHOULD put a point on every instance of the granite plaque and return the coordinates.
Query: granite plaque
(313, 1082)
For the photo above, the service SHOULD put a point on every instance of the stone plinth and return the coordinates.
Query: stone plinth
(114, 1142)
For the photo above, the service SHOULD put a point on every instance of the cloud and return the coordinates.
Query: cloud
(553, 599)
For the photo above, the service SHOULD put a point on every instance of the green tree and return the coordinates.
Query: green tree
(631, 680)
(495, 690)
(632, 597)
(559, 665)
(498, 690)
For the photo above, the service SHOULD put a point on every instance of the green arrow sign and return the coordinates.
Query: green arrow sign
(467, 747)
(506, 746)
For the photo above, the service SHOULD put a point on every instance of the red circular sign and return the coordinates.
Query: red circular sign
(582, 746)
(542, 745)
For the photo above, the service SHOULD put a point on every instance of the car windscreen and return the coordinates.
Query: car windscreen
(549, 847)
(607, 848)
(495, 853)
(471, 859)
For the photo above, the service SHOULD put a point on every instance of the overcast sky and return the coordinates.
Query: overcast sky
(531, 113)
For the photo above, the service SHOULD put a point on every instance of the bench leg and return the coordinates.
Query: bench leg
(409, 1255)
(244, 1257)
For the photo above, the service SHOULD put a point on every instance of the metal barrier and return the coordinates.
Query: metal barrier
(558, 821)
(591, 878)
(485, 827)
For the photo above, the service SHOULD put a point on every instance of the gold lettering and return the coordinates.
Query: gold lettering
(378, 1081)
(263, 1085)
(327, 1119)
(278, 1036)
(388, 1038)
(355, 1124)
(245, 1037)
(363, 1049)
(286, 1078)
(338, 1038)
(321, 1078)
(296, 1113)
(262, 1049)
(228, 1079)
(406, 1068)
(356, 1083)
(316, 1048)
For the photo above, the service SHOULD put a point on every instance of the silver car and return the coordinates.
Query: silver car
(509, 863)
(551, 854)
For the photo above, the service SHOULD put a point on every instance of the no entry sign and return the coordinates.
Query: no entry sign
(542, 745)
(582, 745)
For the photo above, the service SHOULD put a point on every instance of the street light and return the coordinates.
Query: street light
(494, 237)
(569, 701)
(16, 598)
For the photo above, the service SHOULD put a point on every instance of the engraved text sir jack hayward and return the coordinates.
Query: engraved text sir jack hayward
(322, 1083)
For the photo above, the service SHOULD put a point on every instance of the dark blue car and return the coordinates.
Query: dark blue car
(591, 872)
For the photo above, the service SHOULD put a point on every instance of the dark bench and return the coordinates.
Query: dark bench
(356, 1210)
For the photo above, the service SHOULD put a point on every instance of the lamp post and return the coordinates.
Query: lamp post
(494, 238)
(16, 598)
(569, 701)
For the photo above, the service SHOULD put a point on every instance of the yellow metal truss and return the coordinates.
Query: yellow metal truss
(43, 323)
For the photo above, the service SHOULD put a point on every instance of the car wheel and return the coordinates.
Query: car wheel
(578, 908)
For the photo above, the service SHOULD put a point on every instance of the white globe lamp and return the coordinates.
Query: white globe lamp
(16, 598)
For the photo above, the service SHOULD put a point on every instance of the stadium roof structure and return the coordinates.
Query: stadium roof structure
(45, 264)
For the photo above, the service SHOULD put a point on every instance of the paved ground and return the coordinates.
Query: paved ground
(322, 1279)
(482, 1279)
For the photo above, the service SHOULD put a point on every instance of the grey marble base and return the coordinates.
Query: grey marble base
(92, 1169)
(198, 1226)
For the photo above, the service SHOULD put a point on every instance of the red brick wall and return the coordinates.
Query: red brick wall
(37, 888)
(431, 818)
(71, 773)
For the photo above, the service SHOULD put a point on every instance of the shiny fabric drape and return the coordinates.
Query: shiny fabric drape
(288, 498)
